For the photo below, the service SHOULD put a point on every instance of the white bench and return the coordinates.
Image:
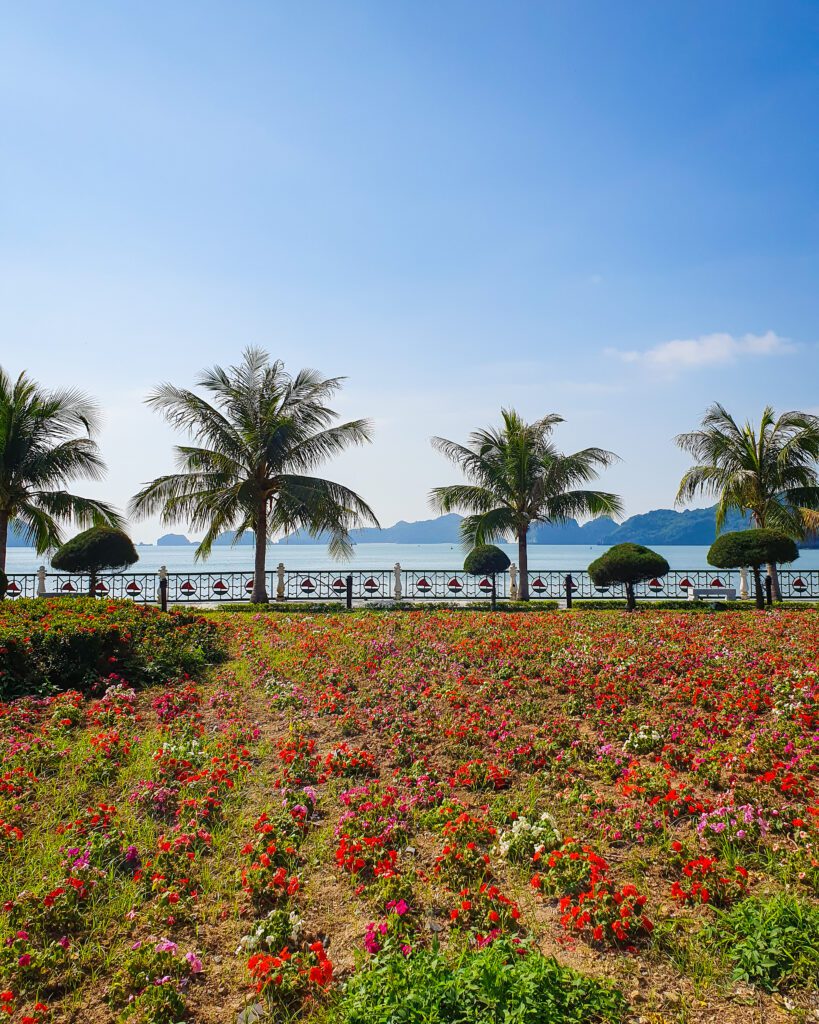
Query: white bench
(711, 593)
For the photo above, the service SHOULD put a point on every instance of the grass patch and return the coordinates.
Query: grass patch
(772, 942)
(497, 983)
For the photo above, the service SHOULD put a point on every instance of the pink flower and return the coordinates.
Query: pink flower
(24, 960)
(195, 963)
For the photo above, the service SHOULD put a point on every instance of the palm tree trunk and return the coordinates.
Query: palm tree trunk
(260, 595)
(775, 591)
(4, 539)
(631, 604)
(523, 564)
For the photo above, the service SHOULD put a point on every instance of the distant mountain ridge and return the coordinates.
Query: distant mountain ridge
(443, 530)
(660, 527)
(174, 540)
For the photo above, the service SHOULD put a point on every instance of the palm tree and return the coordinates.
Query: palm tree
(46, 440)
(255, 445)
(517, 477)
(769, 471)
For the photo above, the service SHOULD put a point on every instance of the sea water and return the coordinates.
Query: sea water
(565, 557)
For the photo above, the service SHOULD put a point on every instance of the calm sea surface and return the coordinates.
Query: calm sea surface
(377, 556)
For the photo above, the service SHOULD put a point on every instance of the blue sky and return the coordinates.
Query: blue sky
(610, 211)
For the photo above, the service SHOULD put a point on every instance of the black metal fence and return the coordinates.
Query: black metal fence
(392, 584)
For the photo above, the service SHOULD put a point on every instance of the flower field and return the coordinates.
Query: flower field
(419, 817)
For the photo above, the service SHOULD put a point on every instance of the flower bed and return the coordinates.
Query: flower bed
(77, 643)
(444, 810)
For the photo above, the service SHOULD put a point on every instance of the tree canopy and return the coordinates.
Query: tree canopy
(95, 550)
(751, 548)
(627, 564)
(486, 560)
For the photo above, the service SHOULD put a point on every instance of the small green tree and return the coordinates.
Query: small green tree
(94, 550)
(487, 560)
(754, 548)
(627, 564)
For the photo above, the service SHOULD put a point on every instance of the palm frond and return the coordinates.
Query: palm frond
(46, 442)
(464, 497)
(84, 512)
(485, 527)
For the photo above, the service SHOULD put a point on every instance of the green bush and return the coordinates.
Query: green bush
(772, 942)
(486, 560)
(497, 983)
(338, 608)
(627, 564)
(754, 548)
(665, 605)
(51, 645)
(96, 549)
(751, 547)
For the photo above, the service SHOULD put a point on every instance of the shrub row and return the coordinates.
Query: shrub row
(597, 605)
(60, 644)
(382, 607)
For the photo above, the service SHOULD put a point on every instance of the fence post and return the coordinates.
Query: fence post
(513, 582)
(743, 584)
(349, 590)
(768, 591)
(280, 581)
(41, 584)
(569, 585)
(163, 587)
(397, 588)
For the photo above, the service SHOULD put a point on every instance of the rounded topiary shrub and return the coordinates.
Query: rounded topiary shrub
(627, 564)
(94, 550)
(487, 560)
(752, 548)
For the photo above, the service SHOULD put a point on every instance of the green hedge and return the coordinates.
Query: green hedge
(380, 608)
(689, 606)
(51, 645)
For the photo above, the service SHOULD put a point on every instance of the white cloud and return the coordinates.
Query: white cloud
(707, 350)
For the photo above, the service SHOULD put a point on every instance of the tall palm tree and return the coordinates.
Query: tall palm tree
(768, 471)
(256, 443)
(46, 440)
(517, 477)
